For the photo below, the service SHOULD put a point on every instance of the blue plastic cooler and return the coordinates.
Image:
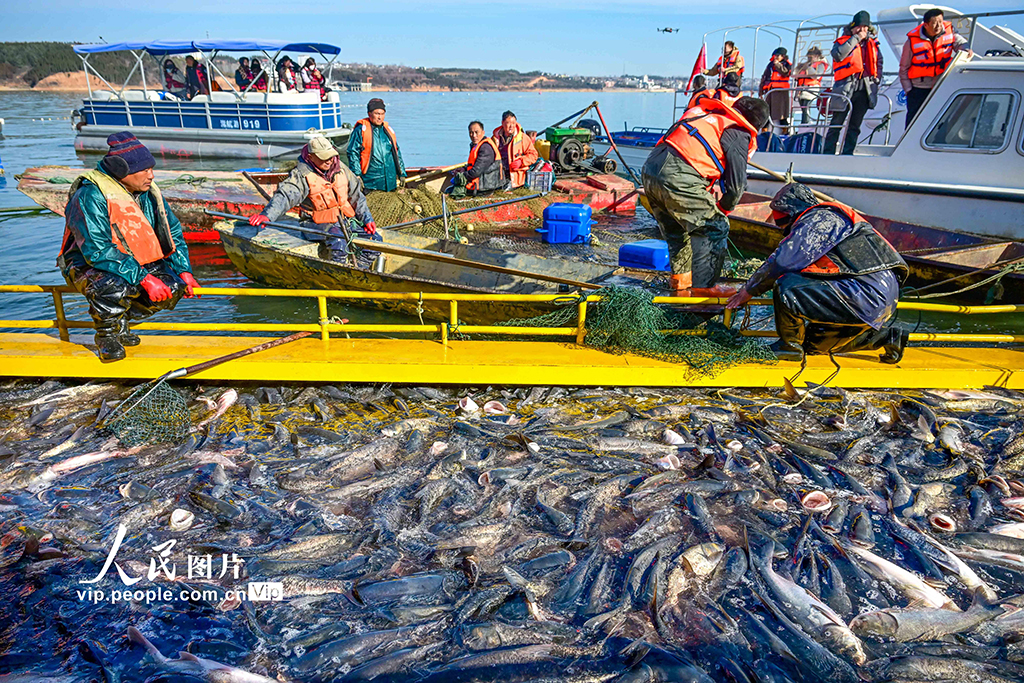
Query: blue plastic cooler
(566, 223)
(646, 254)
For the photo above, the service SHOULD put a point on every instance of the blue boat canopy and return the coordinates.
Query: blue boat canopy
(177, 47)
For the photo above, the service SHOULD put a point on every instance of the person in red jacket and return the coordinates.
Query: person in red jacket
(516, 149)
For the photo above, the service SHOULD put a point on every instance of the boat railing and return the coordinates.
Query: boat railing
(443, 330)
(822, 124)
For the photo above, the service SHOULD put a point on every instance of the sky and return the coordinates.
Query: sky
(576, 37)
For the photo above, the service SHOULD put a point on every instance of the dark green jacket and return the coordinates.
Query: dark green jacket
(86, 216)
(381, 174)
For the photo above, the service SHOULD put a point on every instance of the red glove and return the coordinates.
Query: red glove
(258, 220)
(516, 165)
(370, 228)
(190, 282)
(156, 289)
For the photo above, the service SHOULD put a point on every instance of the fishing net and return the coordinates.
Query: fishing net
(627, 320)
(161, 416)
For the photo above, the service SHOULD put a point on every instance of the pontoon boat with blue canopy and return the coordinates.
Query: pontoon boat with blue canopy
(231, 123)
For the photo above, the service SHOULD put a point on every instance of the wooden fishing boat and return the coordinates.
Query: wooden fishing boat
(279, 258)
(939, 260)
(191, 194)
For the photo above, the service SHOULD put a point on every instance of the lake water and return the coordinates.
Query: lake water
(431, 129)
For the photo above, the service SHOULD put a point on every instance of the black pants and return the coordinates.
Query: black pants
(860, 106)
(112, 299)
(809, 315)
(915, 98)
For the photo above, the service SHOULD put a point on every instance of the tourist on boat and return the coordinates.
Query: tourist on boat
(484, 172)
(326, 193)
(729, 91)
(836, 280)
(174, 82)
(808, 75)
(731, 61)
(927, 53)
(312, 79)
(708, 147)
(259, 76)
(122, 247)
(774, 84)
(516, 148)
(700, 90)
(197, 81)
(243, 75)
(373, 152)
(857, 69)
(287, 79)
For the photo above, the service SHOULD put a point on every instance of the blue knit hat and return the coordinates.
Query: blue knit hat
(126, 155)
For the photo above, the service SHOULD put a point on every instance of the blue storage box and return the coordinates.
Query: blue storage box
(566, 223)
(646, 254)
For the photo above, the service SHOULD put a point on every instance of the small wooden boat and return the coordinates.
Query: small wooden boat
(191, 194)
(279, 258)
(939, 260)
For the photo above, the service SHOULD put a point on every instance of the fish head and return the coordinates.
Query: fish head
(483, 637)
(840, 639)
(882, 624)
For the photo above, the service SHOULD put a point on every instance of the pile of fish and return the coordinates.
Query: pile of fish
(386, 533)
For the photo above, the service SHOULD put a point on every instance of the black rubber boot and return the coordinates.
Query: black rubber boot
(892, 351)
(107, 343)
(124, 333)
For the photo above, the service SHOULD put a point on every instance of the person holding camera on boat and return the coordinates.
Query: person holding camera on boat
(836, 280)
(730, 61)
(373, 152)
(326, 193)
(516, 148)
(808, 75)
(708, 147)
(122, 247)
(857, 70)
(926, 55)
(774, 87)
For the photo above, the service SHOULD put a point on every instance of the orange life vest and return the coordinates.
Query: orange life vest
(697, 137)
(328, 199)
(812, 81)
(519, 147)
(864, 251)
(130, 230)
(730, 61)
(724, 96)
(930, 57)
(475, 182)
(698, 96)
(367, 151)
(855, 63)
(776, 80)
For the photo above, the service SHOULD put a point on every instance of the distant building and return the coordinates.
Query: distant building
(353, 86)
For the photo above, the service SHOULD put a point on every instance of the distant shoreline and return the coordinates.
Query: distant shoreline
(77, 89)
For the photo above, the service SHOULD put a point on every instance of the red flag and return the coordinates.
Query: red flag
(699, 66)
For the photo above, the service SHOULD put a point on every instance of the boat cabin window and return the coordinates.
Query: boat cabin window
(974, 121)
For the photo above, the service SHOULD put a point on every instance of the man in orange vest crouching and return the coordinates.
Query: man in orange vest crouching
(836, 280)
(326, 192)
(708, 147)
(122, 247)
(927, 53)
(373, 152)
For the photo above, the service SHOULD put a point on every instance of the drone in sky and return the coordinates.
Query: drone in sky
(668, 30)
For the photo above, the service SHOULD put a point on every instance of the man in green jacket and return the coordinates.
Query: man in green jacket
(373, 152)
(122, 247)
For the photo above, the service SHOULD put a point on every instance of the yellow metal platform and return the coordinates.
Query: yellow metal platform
(485, 362)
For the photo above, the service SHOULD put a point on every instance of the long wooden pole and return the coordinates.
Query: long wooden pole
(413, 252)
(431, 174)
(781, 178)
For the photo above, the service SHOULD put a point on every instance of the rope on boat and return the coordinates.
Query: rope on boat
(1016, 266)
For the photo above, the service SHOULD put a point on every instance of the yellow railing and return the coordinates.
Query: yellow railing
(325, 326)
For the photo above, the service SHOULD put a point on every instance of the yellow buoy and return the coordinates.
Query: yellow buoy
(469, 227)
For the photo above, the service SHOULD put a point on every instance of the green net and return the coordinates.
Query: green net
(412, 203)
(161, 416)
(627, 320)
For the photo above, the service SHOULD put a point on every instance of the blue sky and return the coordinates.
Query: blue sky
(547, 35)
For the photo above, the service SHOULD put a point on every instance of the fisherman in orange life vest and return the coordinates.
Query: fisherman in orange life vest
(122, 247)
(927, 53)
(731, 61)
(836, 280)
(857, 69)
(326, 192)
(373, 152)
(708, 147)
(700, 91)
(483, 172)
(516, 148)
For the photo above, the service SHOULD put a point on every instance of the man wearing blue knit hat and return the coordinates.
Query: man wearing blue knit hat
(122, 247)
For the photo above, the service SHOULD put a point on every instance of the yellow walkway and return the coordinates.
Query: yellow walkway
(484, 362)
